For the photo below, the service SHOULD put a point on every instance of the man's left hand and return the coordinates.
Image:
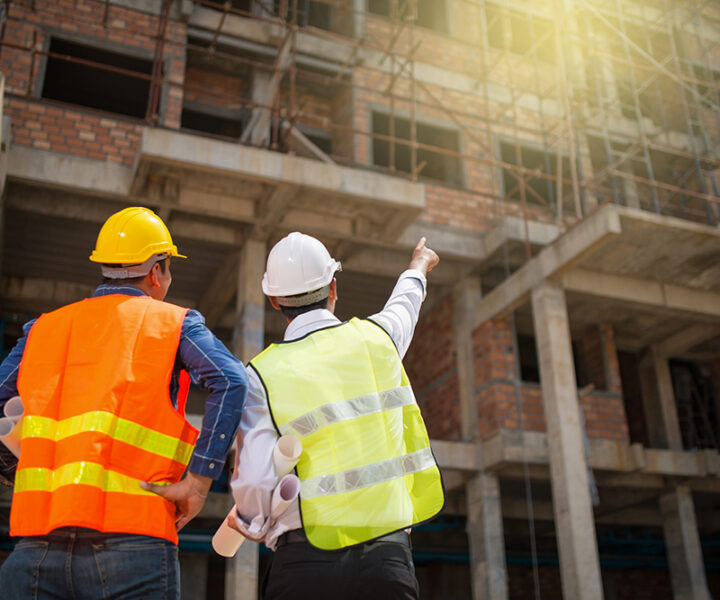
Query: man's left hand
(189, 496)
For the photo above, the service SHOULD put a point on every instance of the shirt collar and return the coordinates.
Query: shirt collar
(126, 290)
(308, 322)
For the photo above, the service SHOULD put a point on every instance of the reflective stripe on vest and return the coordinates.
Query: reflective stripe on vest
(366, 469)
(109, 424)
(78, 473)
(95, 379)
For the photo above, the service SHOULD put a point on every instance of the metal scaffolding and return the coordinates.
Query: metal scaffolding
(576, 103)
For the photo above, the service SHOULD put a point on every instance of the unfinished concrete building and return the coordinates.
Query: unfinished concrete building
(562, 157)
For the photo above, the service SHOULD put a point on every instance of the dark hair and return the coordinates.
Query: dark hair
(133, 280)
(293, 311)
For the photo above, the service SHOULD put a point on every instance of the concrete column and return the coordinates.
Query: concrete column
(249, 330)
(485, 527)
(466, 296)
(683, 546)
(574, 522)
(241, 575)
(487, 540)
(659, 405)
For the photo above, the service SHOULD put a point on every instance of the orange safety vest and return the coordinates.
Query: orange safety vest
(94, 379)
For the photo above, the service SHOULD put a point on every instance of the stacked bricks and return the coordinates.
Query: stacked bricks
(603, 406)
(501, 401)
(495, 376)
(55, 127)
(431, 366)
(80, 131)
(502, 405)
(216, 89)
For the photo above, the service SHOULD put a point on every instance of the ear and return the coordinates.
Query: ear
(152, 277)
(333, 295)
(274, 302)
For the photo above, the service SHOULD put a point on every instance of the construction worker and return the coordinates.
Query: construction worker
(104, 383)
(367, 473)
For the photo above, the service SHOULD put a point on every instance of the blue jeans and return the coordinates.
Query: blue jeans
(73, 563)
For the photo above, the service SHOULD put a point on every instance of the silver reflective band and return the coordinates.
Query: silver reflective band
(327, 414)
(353, 479)
(134, 270)
(305, 299)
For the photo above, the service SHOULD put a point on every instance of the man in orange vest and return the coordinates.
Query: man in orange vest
(99, 490)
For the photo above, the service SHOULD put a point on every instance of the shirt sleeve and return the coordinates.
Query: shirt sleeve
(400, 314)
(211, 366)
(254, 478)
(11, 365)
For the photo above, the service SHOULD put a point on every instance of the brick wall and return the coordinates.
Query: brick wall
(433, 372)
(215, 89)
(498, 401)
(77, 130)
(431, 366)
(59, 128)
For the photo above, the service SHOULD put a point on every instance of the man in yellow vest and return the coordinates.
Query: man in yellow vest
(367, 473)
(99, 491)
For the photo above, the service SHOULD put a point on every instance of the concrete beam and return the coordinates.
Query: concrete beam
(579, 560)
(41, 295)
(209, 155)
(686, 339)
(643, 292)
(65, 171)
(390, 262)
(455, 455)
(587, 236)
(51, 202)
(682, 541)
(519, 230)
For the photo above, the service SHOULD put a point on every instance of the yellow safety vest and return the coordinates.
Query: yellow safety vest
(366, 469)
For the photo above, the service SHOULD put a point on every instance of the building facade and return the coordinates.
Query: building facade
(560, 155)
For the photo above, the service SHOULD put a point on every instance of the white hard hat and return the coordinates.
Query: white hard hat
(298, 263)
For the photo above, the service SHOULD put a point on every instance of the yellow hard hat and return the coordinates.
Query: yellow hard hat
(132, 236)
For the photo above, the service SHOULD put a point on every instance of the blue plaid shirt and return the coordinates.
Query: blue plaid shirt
(210, 365)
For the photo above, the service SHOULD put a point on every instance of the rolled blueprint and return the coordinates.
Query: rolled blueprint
(14, 409)
(284, 493)
(226, 540)
(10, 435)
(286, 454)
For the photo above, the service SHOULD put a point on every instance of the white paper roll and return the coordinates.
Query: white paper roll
(285, 492)
(10, 435)
(227, 540)
(14, 409)
(286, 454)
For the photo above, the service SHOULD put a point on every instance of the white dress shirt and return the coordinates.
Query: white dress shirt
(254, 478)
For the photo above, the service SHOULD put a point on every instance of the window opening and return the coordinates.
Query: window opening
(538, 191)
(438, 166)
(95, 86)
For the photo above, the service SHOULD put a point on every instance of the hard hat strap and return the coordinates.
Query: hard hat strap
(305, 299)
(133, 270)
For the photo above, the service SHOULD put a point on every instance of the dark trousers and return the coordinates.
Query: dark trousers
(379, 569)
